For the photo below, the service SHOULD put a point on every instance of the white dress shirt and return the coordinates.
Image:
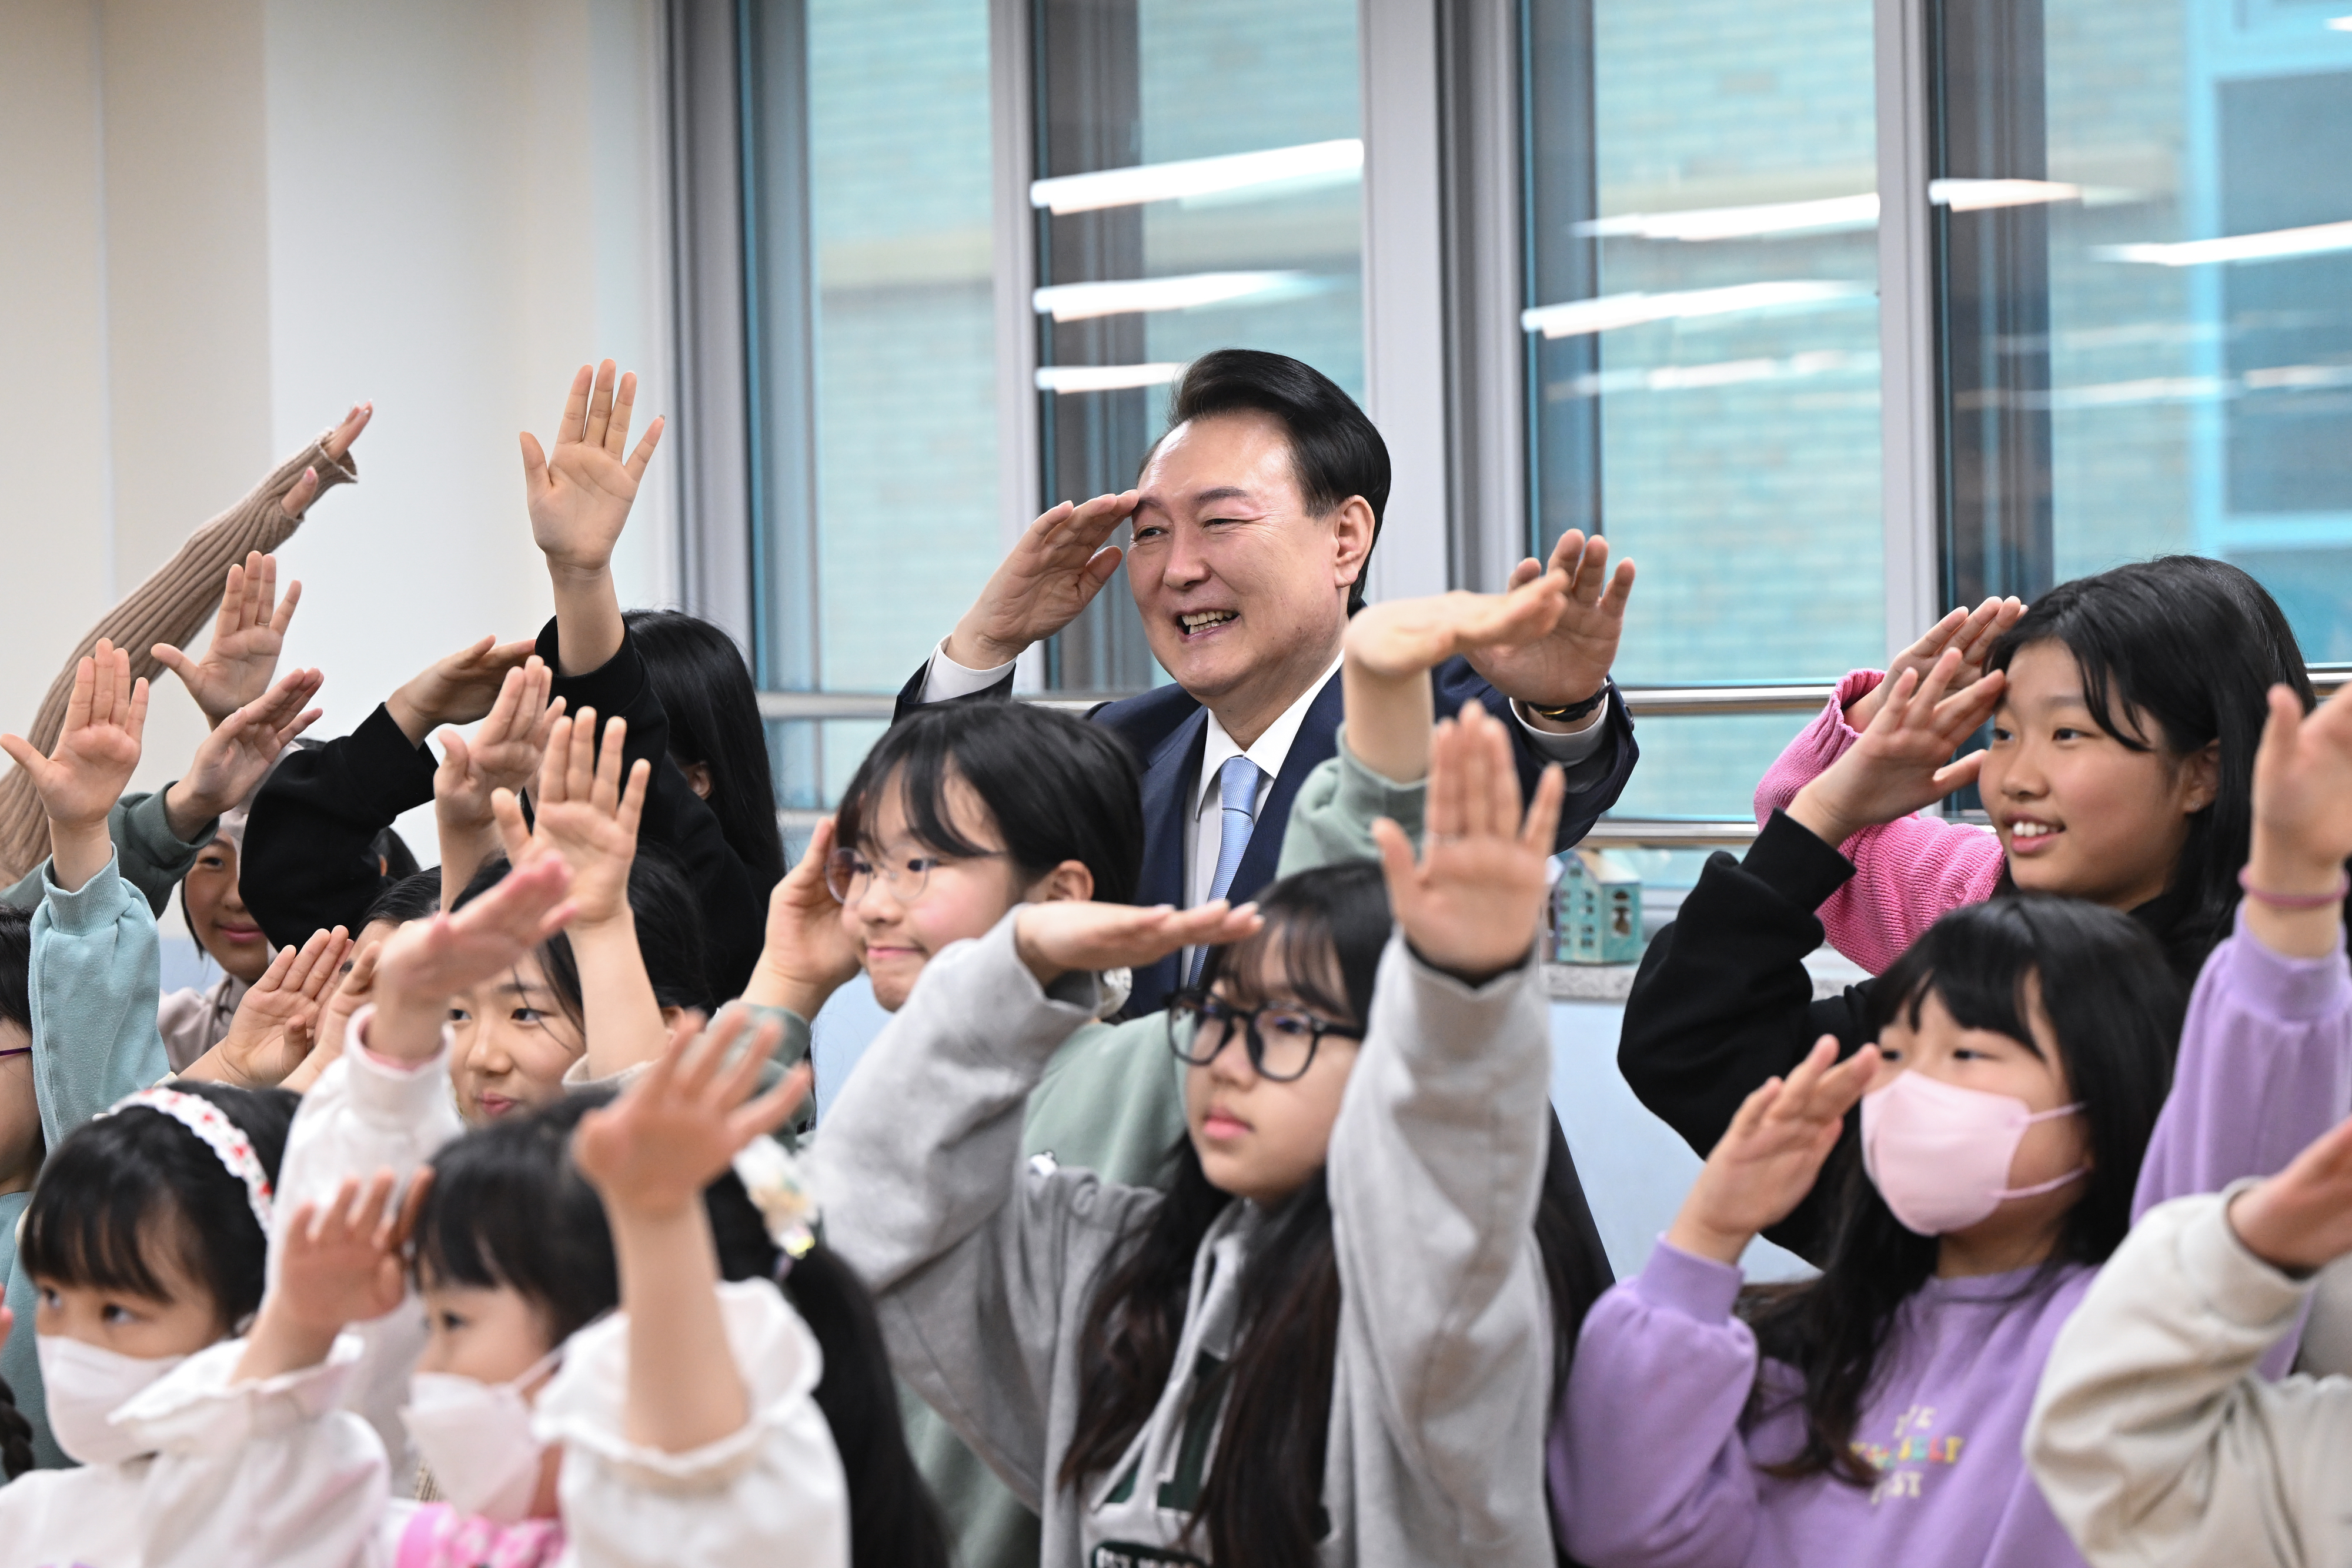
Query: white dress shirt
(1204, 824)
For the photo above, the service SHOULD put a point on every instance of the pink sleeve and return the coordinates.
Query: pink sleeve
(1908, 872)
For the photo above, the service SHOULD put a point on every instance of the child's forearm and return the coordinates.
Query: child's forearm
(624, 1020)
(78, 851)
(588, 626)
(684, 1390)
(1389, 719)
(465, 847)
(278, 1344)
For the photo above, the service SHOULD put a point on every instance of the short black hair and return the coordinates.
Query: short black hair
(670, 937)
(120, 1183)
(16, 966)
(1059, 789)
(412, 897)
(1336, 451)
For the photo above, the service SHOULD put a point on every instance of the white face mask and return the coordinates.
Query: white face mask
(475, 1438)
(85, 1383)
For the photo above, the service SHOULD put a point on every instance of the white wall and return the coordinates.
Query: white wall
(227, 220)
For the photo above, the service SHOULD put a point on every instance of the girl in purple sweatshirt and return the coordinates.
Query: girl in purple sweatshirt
(2010, 1130)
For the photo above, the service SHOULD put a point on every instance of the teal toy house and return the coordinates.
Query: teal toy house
(1596, 910)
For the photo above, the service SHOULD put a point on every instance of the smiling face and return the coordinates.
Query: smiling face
(1262, 1138)
(895, 929)
(2021, 1230)
(1243, 591)
(218, 918)
(513, 1044)
(2078, 811)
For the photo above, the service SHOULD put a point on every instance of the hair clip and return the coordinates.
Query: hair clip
(779, 1189)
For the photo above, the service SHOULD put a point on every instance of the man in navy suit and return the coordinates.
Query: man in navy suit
(1254, 518)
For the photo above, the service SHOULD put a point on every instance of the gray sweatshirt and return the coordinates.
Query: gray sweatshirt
(983, 1268)
(2155, 1437)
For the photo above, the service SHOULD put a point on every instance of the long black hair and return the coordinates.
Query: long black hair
(1262, 1501)
(2196, 645)
(706, 690)
(669, 934)
(118, 1184)
(509, 1209)
(2115, 1009)
(1058, 788)
(16, 966)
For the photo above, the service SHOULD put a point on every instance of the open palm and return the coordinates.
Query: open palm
(676, 1128)
(584, 814)
(1405, 636)
(248, 634)
(1772, 1154)
(98, 749)
(1567, 664)
(445, 954)
(2302, 776)
(1472, 902)
(579, 497)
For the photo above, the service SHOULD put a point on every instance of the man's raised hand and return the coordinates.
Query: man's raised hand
(1052, 574)
(1566, 664)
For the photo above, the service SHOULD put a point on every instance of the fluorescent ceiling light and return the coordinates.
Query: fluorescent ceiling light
(1611, 311)
(1975, 195)
(1105, 377)
(1316, 162)
(2271, 246)
(2340, 24)
(1084, 301)
(1828, 215)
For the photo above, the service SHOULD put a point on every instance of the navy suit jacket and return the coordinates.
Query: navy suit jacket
(1169, 730)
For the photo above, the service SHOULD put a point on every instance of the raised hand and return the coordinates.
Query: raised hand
(808, 954)
(1970, 632)
(303, 491)
(579, 497)
(277, 1023)
(1402, 637)
(247, 636)
(421, 966)
(1062, 934)
(1768, 1159)
(357, 989)
(1567, 664)
(236, 757)
(2302, 1218)
(583, 814)
(334, 1264)
(1903, 760)
(2302, 824)
(505, 754)
(1053, 572)
(98, 750)
(457, 689)
(673, 1131)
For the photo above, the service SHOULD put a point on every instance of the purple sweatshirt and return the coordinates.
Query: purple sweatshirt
(1656, 1460)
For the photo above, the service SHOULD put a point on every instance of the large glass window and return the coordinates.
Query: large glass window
(2149, 346)
(1701, 337)
(873, 353)
(1199, 175)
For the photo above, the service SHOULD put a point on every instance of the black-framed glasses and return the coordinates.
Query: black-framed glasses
(1281, 1037)
(848, 873)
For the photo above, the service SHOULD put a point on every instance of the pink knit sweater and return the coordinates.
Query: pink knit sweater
(1906, 871)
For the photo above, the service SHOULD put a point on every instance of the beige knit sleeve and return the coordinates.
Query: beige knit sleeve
(172, 606)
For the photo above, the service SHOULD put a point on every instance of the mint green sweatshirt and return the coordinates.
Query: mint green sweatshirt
(96, 970)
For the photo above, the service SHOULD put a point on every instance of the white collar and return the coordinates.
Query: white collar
(1269, 751)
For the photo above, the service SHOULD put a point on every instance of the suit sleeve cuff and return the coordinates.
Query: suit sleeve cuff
(1569, 747)
(1787, 858)
(945, 680)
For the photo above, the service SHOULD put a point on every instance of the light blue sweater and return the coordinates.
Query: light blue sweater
(96, 970)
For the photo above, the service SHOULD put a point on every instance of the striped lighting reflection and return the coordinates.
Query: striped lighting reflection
(1611, 311)
(1274, 171)
(2274, 245)
(1105, 378)
(1084, 301)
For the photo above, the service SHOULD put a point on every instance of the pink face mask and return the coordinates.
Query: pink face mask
(1939, 1154)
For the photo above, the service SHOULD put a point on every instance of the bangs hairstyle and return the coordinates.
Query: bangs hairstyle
(705, 689)
(1057, 788)
(121, 1187)
(1336, 451)
(16, 967)
(2195, 645)
(669, 934)
(412, 897)
(2116, 1008)
(508, 1209)
(1262, 1501)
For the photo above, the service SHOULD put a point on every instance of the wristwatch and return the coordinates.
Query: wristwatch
(1574, 711)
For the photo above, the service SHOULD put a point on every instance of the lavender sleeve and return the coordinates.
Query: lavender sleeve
(1647, 1461)
(2265, 1067)
(1906, 872)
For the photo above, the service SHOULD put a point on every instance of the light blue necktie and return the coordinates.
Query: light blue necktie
(1237, 812)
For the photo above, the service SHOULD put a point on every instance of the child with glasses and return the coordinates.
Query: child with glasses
(1330, 1338)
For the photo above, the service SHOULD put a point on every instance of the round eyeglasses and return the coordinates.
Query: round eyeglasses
(1280, 1037)
(848, 874)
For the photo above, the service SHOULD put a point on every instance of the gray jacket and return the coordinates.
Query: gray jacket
(983, 1268)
